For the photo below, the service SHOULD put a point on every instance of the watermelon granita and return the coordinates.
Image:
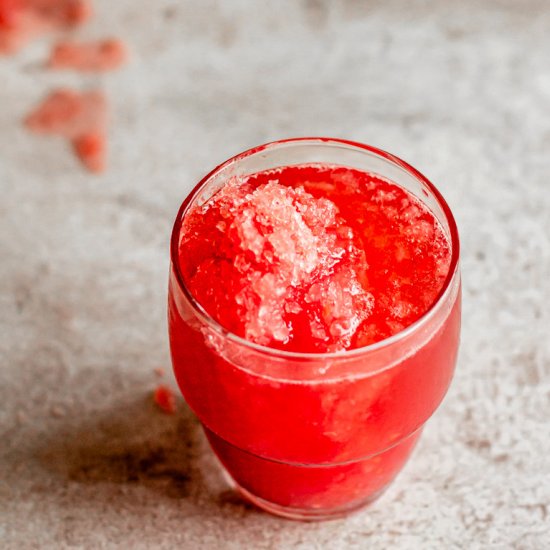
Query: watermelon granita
(314, 314)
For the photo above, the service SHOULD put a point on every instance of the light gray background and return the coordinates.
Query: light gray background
(459, 89)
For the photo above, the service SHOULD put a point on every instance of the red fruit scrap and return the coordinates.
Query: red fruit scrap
(21, 21)
(98, 56)
(164, 399)
(80, 117)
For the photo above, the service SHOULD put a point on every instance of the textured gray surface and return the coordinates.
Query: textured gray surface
(459, 89)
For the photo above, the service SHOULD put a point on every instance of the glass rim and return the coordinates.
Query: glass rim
(446, 288)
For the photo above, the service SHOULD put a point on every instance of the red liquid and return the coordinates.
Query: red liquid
(319, 259)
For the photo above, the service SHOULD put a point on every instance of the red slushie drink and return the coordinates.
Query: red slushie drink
(314, 316)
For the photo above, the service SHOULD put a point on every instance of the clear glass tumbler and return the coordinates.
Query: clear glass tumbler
(311, 435)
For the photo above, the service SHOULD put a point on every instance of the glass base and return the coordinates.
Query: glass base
(302, 514)
(310, 492)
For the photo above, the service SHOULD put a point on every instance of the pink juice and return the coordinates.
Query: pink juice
(313, 326)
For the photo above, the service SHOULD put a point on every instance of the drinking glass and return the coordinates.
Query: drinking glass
(314, 435)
